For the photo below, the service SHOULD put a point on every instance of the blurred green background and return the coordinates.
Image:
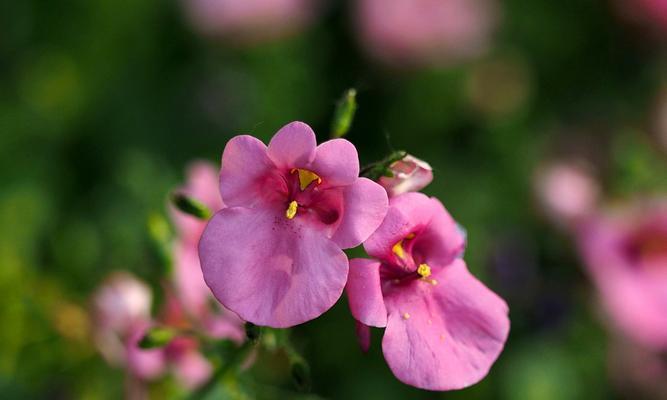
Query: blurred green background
(103, 103)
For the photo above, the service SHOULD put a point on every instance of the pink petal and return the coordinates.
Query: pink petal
(364, 210)
(441, 240)
(270, 270)
(407, 213)
(363, 333)
(192, 369)
(246, 168)
(224, 324)
(444, 336)
(202, 184)
(293, 146)
(191, 289)
(144, 364)
(364, 292)
(336, 162)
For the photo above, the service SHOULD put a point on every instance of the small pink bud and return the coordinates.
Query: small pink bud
(410, 174)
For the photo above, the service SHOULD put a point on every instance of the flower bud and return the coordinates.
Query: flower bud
(300, 373)
(157, 337)
(252, 332)
(191, 206)
(408, 174)
(344, 114)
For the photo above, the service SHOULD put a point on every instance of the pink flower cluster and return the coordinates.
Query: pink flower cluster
(122, 304)
(274, 255)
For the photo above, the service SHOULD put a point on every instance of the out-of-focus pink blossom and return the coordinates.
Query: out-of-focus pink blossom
(444, 328)
(425, 31)
(410, 174)
(274, 255)
(566, 191)
(250, 20)
(121, 306)
(625, 250)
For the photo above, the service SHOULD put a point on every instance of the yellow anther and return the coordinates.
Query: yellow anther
(398, 249)
(424, 270)
(406, 316)
(291, 210)
(306, 177)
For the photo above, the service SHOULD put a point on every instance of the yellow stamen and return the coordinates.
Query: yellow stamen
(398, 249)
(291, 210)
(406, 316)
(424, 270)
(306, 177)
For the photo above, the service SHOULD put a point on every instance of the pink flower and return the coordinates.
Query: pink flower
(274, 255)
(444, 329)
(425, 31)
(625, 251)
(410, 174)
(250, 20)
(120, 304)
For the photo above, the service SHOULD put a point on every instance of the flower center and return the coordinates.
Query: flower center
(648, 250)
(305, 181)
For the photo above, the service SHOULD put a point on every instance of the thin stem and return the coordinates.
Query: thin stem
(239, 356)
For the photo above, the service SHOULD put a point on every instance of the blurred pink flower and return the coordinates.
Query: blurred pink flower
(410, 174)
(625, 250)
(120, 306)
(274, 254)
(250, 20)
(425, 31)
(444, 328)
(566, 191)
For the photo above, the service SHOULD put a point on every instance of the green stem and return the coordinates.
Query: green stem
(238, 357)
